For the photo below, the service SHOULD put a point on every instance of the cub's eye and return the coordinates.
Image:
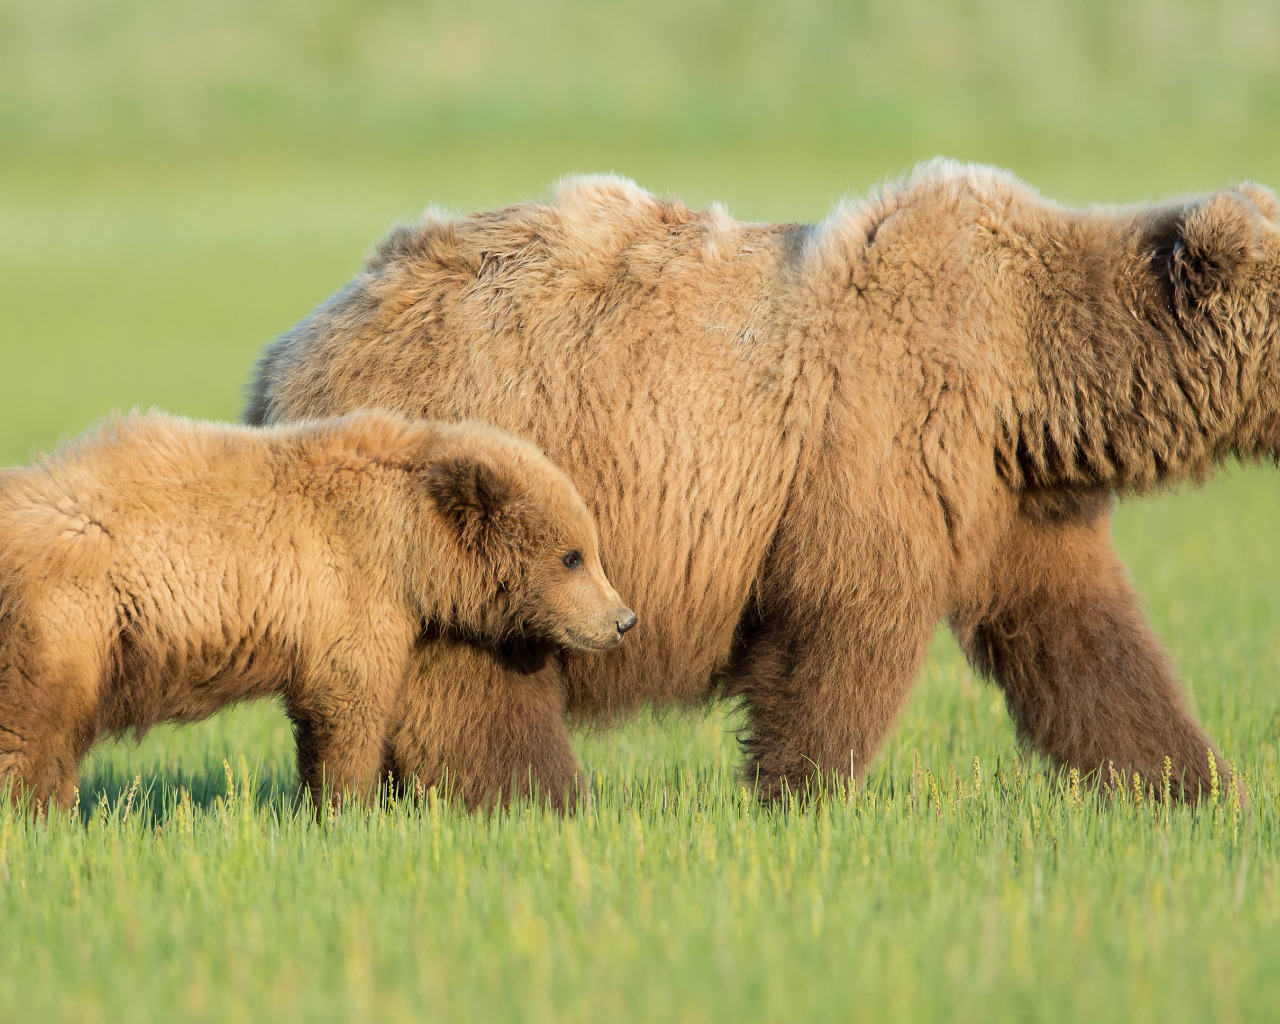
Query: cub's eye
(572, 560)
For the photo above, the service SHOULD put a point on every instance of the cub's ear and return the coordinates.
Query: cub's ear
(471, 495)
(1216, 237)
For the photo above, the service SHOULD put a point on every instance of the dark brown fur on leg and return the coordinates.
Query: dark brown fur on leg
(490, 723)
(332, 768)
(38, 771)
(823, 670)
(818, 710)
(1085, 678)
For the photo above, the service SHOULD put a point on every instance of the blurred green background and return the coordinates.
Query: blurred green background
(179, 181)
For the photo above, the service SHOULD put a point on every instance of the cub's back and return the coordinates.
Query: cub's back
(150, 492)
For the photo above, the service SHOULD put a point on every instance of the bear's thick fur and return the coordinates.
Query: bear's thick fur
(806, 445)
(159, 569)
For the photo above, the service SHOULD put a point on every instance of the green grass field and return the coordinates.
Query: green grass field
(180, 182)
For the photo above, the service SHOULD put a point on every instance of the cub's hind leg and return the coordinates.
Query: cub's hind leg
(48, 717)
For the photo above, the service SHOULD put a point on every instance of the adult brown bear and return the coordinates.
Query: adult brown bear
(807, 445)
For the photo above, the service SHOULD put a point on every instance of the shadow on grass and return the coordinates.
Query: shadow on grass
(154, 797)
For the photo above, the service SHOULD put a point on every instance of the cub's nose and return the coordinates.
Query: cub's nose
(626, 619)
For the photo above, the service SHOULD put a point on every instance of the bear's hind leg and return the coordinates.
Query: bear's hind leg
(1086, 681)
(337, 760)
(494, 728)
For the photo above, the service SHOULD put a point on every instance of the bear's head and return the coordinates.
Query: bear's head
(529, 546)
(1217, 261)
(1154, 336)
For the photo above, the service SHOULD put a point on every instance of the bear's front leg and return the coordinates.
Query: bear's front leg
(826, 658)
(487, 726)
(821, 694)
(1059, 628)
(37, 768)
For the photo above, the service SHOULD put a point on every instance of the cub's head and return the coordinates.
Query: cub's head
(528, 545)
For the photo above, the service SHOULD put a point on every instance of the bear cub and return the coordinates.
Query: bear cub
(158, 569)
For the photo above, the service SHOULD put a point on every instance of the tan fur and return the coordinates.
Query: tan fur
(159, 569)
(807, 445)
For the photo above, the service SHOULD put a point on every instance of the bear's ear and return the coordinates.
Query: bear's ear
(471, 494)
(1216, 238)
(1261, 197)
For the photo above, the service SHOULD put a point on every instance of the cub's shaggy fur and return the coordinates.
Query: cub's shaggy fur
(160, 569)
(805, 446)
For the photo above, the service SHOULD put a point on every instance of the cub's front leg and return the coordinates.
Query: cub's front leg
(341, 719)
